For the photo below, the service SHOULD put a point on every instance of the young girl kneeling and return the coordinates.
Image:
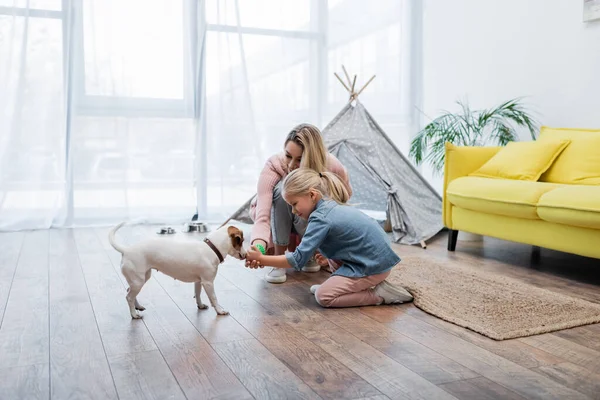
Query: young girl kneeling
(358, 248)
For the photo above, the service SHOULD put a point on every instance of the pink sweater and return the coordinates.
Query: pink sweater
(275, 170)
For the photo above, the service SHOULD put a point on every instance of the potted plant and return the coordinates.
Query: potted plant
(494, 127)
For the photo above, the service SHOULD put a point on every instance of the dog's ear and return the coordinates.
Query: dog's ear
(236, 235)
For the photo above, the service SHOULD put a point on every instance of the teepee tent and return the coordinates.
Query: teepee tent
(385, 184)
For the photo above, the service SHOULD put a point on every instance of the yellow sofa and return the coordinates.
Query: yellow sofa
(560, 210)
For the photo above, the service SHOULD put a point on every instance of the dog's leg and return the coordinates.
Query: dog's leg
(210, 291)
(135, 285)
(198, 292)
(138, 306)
(132, 293)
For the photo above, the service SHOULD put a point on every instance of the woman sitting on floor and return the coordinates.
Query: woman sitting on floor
(274, 222)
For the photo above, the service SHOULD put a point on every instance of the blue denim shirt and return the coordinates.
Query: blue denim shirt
(345, 234)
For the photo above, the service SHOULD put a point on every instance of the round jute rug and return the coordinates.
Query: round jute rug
(490, 304)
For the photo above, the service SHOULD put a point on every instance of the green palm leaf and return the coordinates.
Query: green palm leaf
(497, 126)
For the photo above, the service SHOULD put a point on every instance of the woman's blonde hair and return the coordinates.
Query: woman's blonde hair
(314, 153)
(302, 180)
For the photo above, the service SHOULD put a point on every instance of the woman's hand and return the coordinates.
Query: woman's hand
(261, 242)
(253, 258)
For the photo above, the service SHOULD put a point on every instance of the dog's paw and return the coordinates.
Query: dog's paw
(202, 306)
(222, 311)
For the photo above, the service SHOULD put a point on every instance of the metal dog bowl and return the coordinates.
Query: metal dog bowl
(195, 227)
(167, 230)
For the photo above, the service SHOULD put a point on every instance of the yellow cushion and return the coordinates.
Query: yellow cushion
(579, 163)
(525, 161)
(508, 197)
(572, 205)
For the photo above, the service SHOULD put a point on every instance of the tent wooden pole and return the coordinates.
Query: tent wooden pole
(366, 84)
(353, 83)
(423, 244)
(347, 76)
(341, 81)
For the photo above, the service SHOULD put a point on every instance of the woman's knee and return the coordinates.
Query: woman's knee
(278, 194)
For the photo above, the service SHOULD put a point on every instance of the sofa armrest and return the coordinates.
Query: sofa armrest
(461, 161)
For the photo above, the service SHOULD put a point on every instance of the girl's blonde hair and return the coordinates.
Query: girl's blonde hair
(314, 153)
(302, 180)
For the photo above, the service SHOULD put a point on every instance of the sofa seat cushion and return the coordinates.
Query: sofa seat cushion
(572, 205)
(513, 198)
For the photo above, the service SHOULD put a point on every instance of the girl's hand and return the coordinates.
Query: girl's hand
(254, 264)
(253, 258)
(321, 260)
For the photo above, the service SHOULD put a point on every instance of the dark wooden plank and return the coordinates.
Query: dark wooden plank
(144, 375)
(380, 397)
(327, 375)
(388, 376)
(24, 333)
(506, 373)
(513, 350)
(575, 377)
(79, 367)
(213, 327)
(200, 371)
(107, 292)
(10, 249)
(139, 369)
(28, 382)
(588, 336)
(480, 389)
(429, 364)
(323, 373)
(119, 333)
(566, 349)
(273, 302)
(262, 373)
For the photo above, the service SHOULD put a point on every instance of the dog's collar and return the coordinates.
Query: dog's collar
(214, 248)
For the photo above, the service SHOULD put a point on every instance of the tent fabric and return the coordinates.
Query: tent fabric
(383, 180)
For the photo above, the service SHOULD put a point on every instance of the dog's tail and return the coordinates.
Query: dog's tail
(111, 239)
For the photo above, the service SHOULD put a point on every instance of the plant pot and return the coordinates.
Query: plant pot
(469, 237)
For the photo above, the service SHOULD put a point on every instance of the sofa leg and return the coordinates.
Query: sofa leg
(535, 254)
(452, 237)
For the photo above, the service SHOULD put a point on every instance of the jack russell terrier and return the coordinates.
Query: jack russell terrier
(187, 261)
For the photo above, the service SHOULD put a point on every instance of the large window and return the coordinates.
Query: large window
(146, 109)
(262, 66)
(32, 145)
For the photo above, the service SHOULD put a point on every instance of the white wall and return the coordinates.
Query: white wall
(490, 51)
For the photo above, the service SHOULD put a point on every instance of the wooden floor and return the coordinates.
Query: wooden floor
(66, 332)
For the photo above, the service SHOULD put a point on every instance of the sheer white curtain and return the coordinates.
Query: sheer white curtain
(261, 69)
(153, 110)
(32, 113)
(376, 38)
(99, 119)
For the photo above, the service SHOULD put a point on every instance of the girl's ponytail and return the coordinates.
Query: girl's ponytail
(335, 187)
(302, 180)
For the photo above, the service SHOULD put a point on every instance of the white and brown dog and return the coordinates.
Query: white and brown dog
(187, 261)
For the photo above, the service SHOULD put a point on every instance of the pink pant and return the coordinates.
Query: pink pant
(340, 291)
